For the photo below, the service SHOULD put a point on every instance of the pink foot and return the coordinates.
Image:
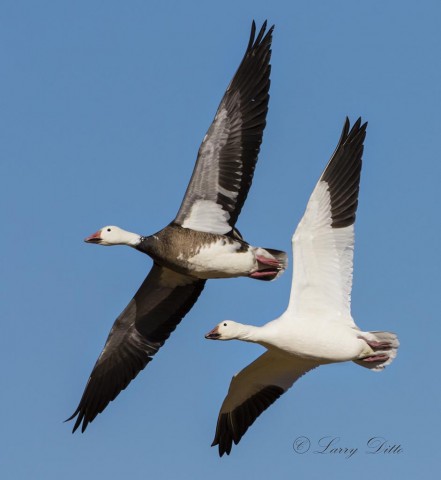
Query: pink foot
(262, 274)
(377, 345)
(268, 261)
(376, 358)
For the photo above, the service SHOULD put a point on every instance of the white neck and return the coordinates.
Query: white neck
(130, 239)
(250, 333)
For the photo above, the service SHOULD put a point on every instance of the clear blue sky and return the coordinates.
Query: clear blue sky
(103, 107)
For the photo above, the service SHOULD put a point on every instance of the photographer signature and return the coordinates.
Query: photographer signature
(332, 445)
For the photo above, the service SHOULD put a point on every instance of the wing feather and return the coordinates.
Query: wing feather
(228, 154)
(252, 391)
(323, 243)
(161, 302)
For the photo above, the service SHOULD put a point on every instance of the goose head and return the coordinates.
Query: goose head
(111, 235)
(226, 330)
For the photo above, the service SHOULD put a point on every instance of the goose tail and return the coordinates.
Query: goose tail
(383, 346)
(270, 264)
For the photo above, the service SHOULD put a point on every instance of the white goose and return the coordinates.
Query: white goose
(317, 328)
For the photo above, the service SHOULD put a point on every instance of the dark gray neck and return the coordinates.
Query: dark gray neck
(146, 245)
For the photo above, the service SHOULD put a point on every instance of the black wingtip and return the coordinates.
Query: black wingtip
(344, 133)
(232, 426)
(252, 35)
(261, 36)
(71, 418)
(80, 419)
(358, 125)
(77, 423)
(222, 448)
(261, 33)
(342, 174)
(349, 133)
(357, 132)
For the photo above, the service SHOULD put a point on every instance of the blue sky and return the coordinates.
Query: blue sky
(103, 108)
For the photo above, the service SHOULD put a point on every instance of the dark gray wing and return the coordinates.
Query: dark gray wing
(138, 333)
(228, 154)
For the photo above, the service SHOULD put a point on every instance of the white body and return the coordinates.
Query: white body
(317, 327)
(222, 261)
(324, 341)
(225, 260)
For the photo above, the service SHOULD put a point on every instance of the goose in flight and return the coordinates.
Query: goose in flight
(200, 243)
(317, 328)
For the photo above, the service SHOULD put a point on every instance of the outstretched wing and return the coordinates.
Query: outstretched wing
(228, 154)
(161, 302)
(252, 391)
(323, 243)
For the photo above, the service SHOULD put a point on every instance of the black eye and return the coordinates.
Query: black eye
(109, 230)
(225, 324)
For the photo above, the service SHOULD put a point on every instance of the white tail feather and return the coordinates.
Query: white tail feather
(384, 347)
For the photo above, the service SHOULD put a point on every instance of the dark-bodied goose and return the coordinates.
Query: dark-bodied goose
(200, 243)
(317, 328)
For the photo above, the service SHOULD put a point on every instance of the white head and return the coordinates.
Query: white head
(112, 235)
(226, 330)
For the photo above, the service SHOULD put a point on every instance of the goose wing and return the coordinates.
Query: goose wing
(323, 243)
(228, 154)
(161, 302)
(252, 391)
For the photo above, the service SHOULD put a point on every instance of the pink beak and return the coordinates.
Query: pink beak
(213, 334)
(94, 238)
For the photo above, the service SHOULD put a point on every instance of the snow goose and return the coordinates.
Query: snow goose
(200, 243)
(317, 328)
